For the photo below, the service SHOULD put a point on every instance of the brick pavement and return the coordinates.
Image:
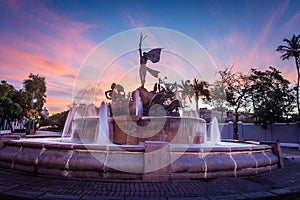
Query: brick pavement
(282, 184)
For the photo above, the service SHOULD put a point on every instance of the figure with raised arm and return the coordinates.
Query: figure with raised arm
(153, 55)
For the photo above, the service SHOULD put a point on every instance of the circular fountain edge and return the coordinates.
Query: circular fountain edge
(133, 162)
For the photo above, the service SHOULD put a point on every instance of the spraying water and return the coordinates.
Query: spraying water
(67, 132)
(103, 130)
(191, 126)
(138, 104)
(215, 136)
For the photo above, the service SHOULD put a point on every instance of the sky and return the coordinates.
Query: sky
(52, 38)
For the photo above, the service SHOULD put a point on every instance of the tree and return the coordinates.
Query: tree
(236, 86)
(200, 89)
(10, 104)
(292, 50)
(218, 96)
(14, 104)
(271, 96)
(35, 87)
(56, 121)
(186, 91)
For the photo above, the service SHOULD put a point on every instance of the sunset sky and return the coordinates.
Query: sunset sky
(53, 37)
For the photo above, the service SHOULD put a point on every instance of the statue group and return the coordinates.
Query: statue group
(148, 98)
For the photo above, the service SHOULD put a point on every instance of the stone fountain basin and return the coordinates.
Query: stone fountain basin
(197, 161)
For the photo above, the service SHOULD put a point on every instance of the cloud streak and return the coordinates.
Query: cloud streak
(30, 49)
(238, 49)
(42, 37)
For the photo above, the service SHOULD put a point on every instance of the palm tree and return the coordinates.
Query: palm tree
(201, 90)
(292, 50)
(186, 91)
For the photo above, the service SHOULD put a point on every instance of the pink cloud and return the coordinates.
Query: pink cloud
(57, 105)
(289, 73)
(233, 49)
(237, 48)
(135, 19)
(50, 45)
(265, 32)
(136, 23)
(12, 5)
(292, 22)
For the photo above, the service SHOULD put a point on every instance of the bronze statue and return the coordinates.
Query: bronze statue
(153, 55)
(115, 92)
(148, 99)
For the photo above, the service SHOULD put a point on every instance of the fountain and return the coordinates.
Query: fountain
(142, 137)
(102, 136)
(215, 136)
(138, 104)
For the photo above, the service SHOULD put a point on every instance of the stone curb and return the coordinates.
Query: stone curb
(283, 184)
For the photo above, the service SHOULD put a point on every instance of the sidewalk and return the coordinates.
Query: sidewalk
(282, 184)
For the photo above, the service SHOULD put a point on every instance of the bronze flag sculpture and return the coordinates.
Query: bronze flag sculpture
(153, 55)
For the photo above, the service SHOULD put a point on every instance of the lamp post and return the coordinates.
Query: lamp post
(34, 100)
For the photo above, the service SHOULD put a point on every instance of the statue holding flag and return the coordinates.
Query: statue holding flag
(153, 55)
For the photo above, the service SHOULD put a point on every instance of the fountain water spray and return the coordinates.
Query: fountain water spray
(67, 132)
(138, 104)
(194, 130)
(215, 136)
(103, 129)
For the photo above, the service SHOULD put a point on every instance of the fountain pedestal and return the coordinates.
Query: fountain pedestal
(123, 129)
(176, 130)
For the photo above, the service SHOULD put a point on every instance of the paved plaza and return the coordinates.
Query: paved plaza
(281, 184)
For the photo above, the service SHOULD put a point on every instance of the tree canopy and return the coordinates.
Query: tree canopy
(10, 103)
(236, 86)
(35, 87)
(201, 91)
(271, 96)
(14, 104)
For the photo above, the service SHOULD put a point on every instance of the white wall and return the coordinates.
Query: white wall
(285, 133)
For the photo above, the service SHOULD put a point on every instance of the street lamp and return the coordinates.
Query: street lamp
(33, 102)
